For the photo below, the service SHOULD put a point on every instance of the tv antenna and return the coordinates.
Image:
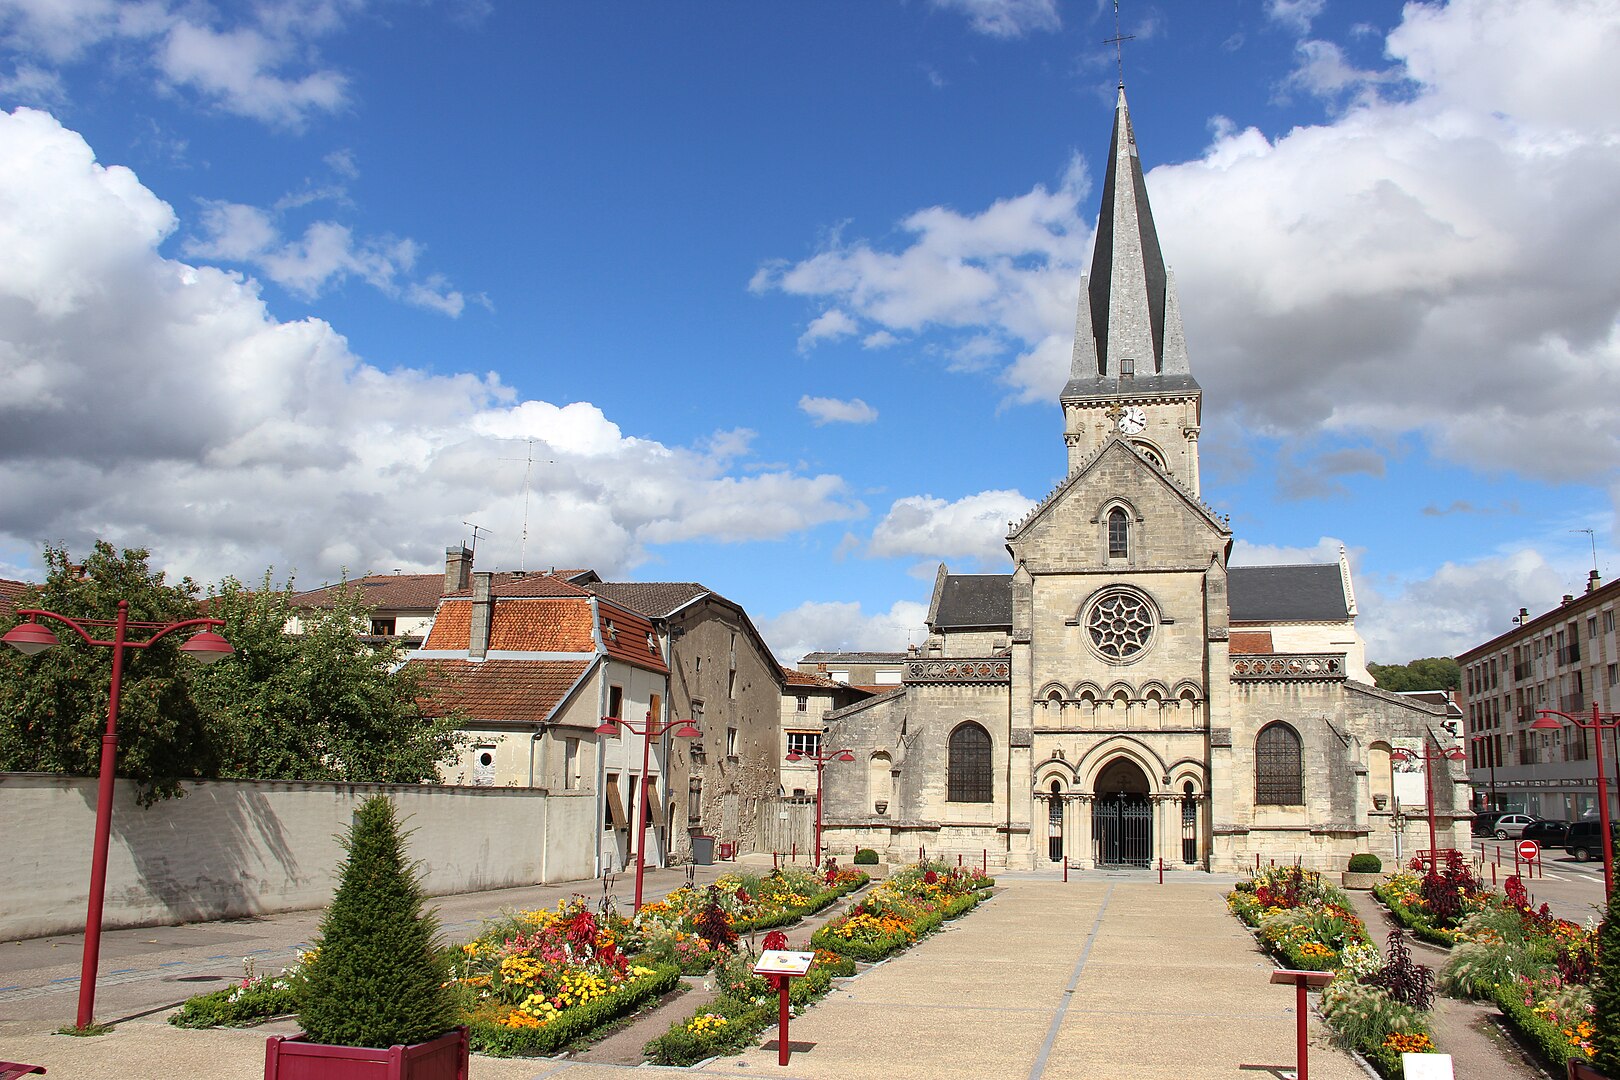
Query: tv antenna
(1118, 42)
(528, 475)
(1591, 535)
(476, 530)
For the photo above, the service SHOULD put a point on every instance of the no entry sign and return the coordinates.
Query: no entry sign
(1528, 850)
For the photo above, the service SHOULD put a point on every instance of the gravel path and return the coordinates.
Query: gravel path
(1467, 1030)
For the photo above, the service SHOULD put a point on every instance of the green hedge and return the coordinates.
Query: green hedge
(866, 857)
(745, 1019)
(490, 1038)
(1547, 1039)
(816, 903)
(1419, 924)
(216, 1009)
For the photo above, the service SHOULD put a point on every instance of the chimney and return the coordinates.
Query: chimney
(1593, 581)
(457, 568)
(1569, 598)
(483, 606)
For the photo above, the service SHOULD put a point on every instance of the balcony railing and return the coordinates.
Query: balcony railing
(990, 669)
(1573, 703)
(1521, 671)
(1292, 667)
(1569, 654)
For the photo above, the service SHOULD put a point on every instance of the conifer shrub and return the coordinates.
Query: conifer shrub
(1606, 993)
(378, 976)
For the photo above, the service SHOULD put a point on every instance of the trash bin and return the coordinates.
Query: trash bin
(703, 851)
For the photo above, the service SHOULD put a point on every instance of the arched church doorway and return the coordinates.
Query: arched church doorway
(1054, 823)
(1121, 817)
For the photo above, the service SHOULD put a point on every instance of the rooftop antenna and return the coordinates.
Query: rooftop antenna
(1118, 42)
(473, 553)
(528, 473)
(1592, 536)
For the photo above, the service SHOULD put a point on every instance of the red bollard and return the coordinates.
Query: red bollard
(774, 864)
(1257, 860)
(795, 851)
(1065, 868)
(1493, 875)
(959, 859)
(1161, 871)
(984, 862)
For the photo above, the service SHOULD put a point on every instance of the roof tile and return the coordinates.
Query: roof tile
(501, 690)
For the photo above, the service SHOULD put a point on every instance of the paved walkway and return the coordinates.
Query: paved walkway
(1094, 979)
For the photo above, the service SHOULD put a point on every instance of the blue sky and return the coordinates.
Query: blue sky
(783, 294)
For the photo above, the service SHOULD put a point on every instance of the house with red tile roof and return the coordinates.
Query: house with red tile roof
(10, 592)
(530, 664)
(807, 696)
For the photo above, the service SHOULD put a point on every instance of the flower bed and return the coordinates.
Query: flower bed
(747, 1005)
(1378, 1007)
(910, 904)
(535, 981)
(1538, 969)
(256, 998)
(1434, 906)
(750, 902)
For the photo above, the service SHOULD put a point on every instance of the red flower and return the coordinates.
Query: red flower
(775, 940)
(930, 878)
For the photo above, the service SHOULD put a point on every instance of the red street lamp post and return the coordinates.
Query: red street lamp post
(1429, 757)
(1490, 757)
(648, 731)
(1599, 723)
(821, 760)
(31, 638)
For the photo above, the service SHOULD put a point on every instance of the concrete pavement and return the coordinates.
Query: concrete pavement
(1050, 981)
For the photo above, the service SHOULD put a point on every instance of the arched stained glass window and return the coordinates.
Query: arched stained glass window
(969, 776)
(1278, 767)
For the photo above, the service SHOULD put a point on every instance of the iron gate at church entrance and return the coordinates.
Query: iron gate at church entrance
(1122, 830)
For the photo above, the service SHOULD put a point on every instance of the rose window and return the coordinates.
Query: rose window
(1120, 625)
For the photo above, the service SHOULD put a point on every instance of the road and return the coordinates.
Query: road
(1572, 890)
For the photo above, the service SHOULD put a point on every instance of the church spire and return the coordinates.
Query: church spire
(1128, 309)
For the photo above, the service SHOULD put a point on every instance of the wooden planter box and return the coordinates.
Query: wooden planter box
(444, 1058)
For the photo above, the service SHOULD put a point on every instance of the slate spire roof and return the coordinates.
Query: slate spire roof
(1128, 307)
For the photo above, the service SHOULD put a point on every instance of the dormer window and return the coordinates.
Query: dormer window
(1127, 367)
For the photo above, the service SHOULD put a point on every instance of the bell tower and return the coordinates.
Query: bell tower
(1130, 376)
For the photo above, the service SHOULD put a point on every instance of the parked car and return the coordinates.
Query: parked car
(1509, 826)
(1485, 822)
(1581, 840)
(1547, 833)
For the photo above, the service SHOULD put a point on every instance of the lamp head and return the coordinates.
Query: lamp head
(30, 638)
(688, 730)
(608, 726)
(207, 647)
(1543, 722)
(844, 755)
(1401, 753)
(795, 757)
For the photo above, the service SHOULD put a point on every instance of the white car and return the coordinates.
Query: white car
(1511, 826)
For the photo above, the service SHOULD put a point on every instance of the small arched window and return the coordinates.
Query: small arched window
(1278, 767)
(1119, 534)
(969, 775)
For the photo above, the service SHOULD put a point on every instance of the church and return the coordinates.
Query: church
(1124, 696)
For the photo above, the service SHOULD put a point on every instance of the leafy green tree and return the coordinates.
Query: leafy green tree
(1606, 992)
(1430, 673)
(378, 976)
(319, 703)
(53, 706)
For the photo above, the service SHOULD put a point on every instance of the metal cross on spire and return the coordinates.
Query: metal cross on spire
(1118, 42)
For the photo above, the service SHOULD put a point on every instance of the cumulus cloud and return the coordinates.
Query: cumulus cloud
(826, 410)
(325, 255)
(1006, 18)
(1294, 15)
(1325, 550)
(828, 326)
(839, 626)
(158, 402)
(261, 64)
(973, 527)
(1434, 260)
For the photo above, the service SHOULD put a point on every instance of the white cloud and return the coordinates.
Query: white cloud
(826, 410)
(972, 527)
(834, 626)
(327, 254)
(158, 402)
(830, 325)
(261, 65)
(880, 339)
(1325, 550)
(1006, 18)
(1434, 260)
(1294, 15)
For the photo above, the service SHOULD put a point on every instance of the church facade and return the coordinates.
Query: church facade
(1125, 696)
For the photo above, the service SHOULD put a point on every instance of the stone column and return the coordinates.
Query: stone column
(1080, 849)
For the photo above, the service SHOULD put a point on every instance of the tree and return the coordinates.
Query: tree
(53, 707)
(378, 976)
(319, 703)
(1606, 992)
(1430, 673)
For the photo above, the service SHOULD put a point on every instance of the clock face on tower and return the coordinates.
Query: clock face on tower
(1132, 421)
